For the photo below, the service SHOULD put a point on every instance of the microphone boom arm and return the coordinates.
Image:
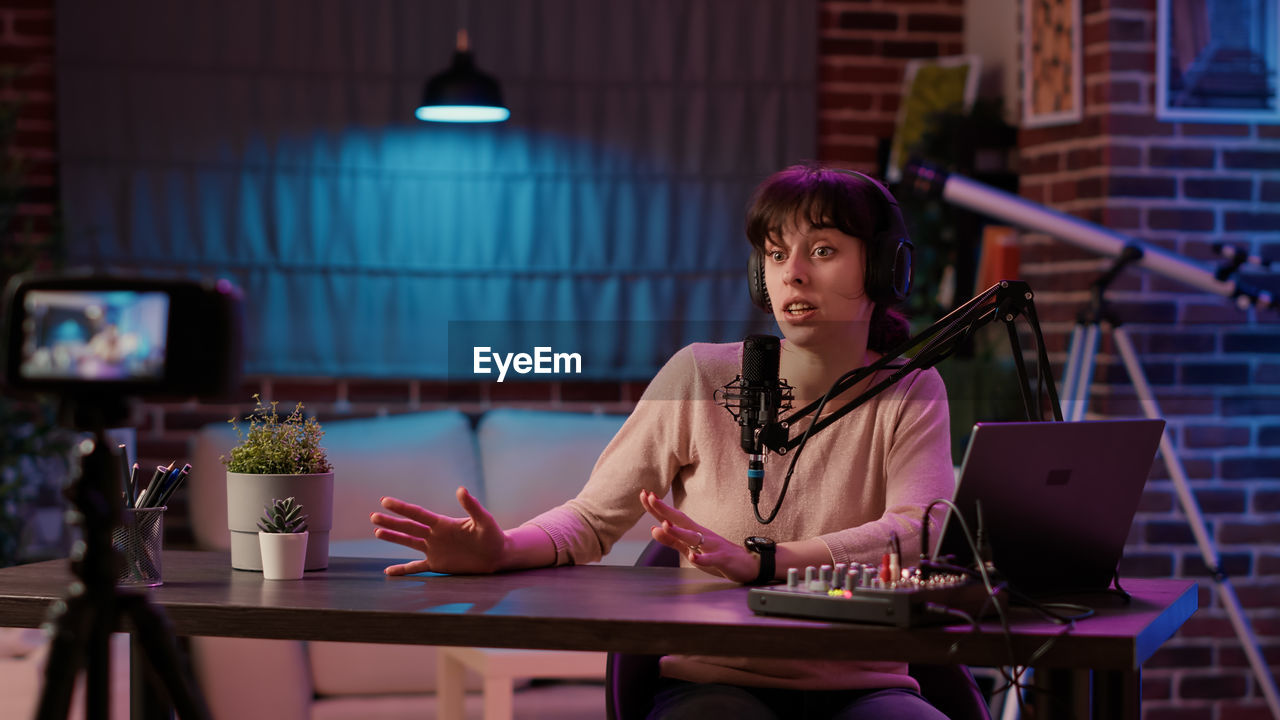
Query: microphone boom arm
(1004, 301)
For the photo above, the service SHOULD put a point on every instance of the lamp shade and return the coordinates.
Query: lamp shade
(462, 93)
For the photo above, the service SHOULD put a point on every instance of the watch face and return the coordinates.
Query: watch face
(755, 543)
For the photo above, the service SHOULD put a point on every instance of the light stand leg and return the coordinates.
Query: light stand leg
(1192, 509)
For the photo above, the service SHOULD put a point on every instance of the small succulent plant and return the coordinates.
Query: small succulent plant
(283, 516)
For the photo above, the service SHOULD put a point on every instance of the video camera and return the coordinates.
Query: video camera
(93, 336)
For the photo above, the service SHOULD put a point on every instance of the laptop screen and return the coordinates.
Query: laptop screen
(1057, 499)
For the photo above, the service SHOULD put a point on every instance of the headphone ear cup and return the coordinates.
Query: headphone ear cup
(887, 276)
(755, 278)
(903, 269)
(889, 272)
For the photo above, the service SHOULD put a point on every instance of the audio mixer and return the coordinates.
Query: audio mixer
(874, 594)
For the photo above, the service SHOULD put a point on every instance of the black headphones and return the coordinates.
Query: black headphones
(888, 271)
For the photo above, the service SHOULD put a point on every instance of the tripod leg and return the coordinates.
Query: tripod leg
(66, 657)
(1072, 372)
(1192, 509)
(1081, 358)
(147, 699)
(155, 636)
(98, 672)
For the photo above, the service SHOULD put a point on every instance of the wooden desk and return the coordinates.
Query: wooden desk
(611, 608)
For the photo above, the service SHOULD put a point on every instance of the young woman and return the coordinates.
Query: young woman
(860, 483)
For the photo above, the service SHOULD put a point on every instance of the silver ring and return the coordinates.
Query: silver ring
(696, 548)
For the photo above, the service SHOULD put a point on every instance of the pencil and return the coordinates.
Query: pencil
(124, 473)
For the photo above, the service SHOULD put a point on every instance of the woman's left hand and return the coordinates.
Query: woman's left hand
(706, 550)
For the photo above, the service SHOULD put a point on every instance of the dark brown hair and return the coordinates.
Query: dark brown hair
(825, 198)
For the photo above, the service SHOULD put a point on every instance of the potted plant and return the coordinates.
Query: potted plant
(277, 457)
(282, 535)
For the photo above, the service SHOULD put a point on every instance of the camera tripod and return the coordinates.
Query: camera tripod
(94, 606)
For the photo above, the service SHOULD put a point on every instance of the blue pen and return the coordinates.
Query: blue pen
(155, 494)
(175, 479)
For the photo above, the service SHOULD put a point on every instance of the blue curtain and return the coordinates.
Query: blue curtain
(274, 143)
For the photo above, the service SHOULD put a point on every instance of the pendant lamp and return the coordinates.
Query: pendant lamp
(462, 93)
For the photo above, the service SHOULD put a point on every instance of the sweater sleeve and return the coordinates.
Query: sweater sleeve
(918, 469)
(647, 453)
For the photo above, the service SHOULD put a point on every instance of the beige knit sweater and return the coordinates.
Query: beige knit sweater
(867, 476)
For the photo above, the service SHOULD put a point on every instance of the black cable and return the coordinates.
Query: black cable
(926, 357)
(1082, 611)
(1013, 680)
(795, 457)
(856, 376)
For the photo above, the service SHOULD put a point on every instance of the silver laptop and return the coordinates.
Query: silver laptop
(1057, 499)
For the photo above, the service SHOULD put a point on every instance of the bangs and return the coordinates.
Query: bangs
(815, 196)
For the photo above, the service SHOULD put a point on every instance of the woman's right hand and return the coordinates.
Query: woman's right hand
(461, 546)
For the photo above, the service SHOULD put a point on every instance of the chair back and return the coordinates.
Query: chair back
(631, 681)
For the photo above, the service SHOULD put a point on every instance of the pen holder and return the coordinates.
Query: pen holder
(139, 539)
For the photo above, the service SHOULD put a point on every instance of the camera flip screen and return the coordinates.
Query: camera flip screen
(88, 335)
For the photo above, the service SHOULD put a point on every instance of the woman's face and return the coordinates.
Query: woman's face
(815, 278)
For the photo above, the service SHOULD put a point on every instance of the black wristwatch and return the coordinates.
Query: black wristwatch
(765, 548)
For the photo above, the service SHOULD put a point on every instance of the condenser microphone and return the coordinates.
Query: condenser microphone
(761, 395)
(759, 389)
(754, 399)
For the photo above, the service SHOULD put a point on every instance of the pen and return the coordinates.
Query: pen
(133, 486)
(153, 486)
(172, 485)
(156, 496)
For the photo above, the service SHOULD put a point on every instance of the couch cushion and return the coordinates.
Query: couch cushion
(534, 460)
(420, 457)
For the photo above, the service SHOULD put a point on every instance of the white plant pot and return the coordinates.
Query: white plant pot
(248, 495)
(284, 555)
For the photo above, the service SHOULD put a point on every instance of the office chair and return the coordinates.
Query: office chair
(631, 681)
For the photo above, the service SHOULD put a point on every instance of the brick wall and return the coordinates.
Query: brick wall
(26, 50)
(863, 49)
(1178, 186)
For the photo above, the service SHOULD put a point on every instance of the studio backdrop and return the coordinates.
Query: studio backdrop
(274, 143)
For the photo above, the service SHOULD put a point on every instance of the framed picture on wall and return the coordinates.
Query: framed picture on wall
(1051, 63)
(930, 87)
(1216, 60)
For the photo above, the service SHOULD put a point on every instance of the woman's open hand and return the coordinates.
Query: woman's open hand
(462, 546)
(707, 551)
